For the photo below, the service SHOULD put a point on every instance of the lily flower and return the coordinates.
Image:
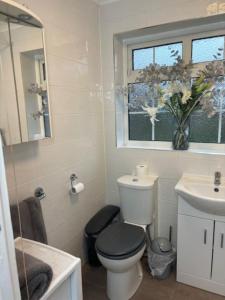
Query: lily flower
(186, 94)
(152, 111)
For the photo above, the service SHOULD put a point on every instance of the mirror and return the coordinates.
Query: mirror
(24, 100)
(9, 117)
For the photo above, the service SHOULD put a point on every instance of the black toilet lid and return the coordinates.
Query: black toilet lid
(120, 241)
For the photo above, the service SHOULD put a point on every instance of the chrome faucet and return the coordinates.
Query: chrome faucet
(217, 179)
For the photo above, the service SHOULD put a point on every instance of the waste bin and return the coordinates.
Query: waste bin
(94, 227)
(161, 256)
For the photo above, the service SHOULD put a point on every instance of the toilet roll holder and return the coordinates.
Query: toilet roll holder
(73, 177)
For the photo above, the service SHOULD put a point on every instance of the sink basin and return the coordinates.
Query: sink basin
(201, 193)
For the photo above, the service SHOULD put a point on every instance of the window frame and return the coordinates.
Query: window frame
(130, 76)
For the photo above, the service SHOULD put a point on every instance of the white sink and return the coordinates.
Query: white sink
(201, 193)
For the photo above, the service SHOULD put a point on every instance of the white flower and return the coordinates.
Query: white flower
(186, 94)
(162, 102)
(152, 111)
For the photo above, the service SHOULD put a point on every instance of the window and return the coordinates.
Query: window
(142, 58)
(200, 49)
(208, 49)
(159, 54)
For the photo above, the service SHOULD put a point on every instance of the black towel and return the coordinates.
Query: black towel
(37, 278)
(32, 221)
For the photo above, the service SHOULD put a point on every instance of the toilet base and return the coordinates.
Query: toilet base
(122, 286)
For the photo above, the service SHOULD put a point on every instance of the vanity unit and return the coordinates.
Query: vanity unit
(201, 233)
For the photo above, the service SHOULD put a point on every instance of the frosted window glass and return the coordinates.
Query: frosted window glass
(138, 96)
(142, 58)
(208, 49)
(219, 98)
(140, 127)
(203, 129)
(165, 127)
(167, 54)
(223, 129)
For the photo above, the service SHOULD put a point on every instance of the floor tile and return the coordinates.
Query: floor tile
(94, 287)
(93, 292)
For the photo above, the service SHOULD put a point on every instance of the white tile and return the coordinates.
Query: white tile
(67, 73)
(70, 100)
(123, 16)
(66, 44)
(73, 53)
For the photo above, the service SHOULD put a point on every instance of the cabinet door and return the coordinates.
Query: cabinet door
(218, 270)
(195, 240)
(9, 117)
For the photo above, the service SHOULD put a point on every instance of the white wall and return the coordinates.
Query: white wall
(126, 15)
(73, 54)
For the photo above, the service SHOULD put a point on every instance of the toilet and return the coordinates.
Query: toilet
(121, 245)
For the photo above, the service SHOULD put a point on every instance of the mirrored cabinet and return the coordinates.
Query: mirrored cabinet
(24, 97)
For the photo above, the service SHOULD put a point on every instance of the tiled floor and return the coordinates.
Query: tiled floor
(94, 287)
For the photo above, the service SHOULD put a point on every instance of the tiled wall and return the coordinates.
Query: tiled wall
(126, 15)
(73, 53)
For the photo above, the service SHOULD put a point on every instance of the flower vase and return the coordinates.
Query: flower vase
(181, 136)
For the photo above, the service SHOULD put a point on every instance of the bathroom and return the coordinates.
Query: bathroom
(84, 50)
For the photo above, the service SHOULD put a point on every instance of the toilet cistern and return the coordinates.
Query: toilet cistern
(121, 245)
(137, 197)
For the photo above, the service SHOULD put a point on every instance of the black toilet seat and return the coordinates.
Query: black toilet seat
(120, 241)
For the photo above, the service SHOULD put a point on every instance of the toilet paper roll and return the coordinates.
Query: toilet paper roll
(77, 188)
(141, 170)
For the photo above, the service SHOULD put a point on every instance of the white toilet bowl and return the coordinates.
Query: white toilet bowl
(120, 248)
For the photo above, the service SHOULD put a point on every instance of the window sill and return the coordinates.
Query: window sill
(199, 148)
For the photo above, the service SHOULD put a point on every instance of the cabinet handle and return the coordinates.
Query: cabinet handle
(221, 240)
(205, 236)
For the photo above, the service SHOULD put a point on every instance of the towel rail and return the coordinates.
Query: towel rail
(39, 193)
